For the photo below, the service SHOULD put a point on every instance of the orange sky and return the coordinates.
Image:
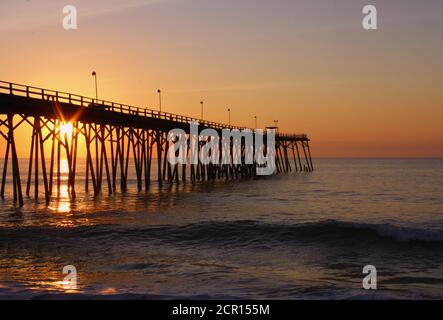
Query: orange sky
(308, 64)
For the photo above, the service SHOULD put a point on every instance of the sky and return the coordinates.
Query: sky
(306, 63)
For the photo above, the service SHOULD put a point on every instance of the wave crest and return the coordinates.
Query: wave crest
(236, 233)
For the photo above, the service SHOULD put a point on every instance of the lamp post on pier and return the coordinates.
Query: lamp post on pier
(94, 74)
(159, 99)
(201, 104)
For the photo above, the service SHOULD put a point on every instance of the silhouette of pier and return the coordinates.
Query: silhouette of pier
(113, 135)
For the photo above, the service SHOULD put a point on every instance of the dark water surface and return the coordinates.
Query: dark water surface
(297, 236)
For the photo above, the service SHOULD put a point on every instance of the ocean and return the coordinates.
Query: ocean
(290, 236)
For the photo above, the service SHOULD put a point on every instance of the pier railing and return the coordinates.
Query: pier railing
(86, 102)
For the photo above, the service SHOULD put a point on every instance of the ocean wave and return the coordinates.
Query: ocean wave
(235, 233)
(254, 231)
(399, 233)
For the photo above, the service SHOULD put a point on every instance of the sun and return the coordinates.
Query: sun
(66, 128)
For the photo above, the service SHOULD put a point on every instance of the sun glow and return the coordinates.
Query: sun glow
(64, 166)
(66, 129)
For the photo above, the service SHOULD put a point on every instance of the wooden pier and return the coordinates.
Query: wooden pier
(113, 134)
